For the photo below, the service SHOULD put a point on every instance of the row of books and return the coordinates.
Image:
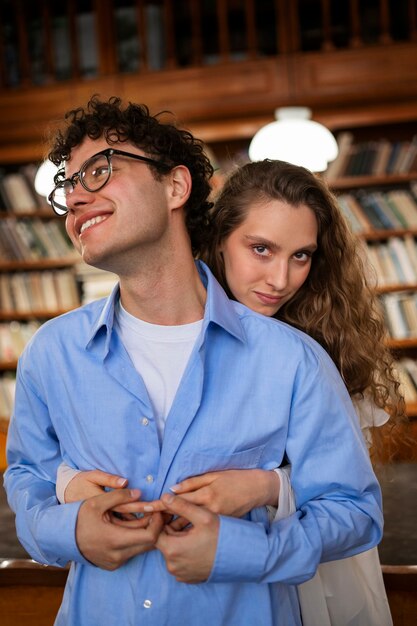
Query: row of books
(373, 158)
(38, 291)
(33, 239)
(407, 371)
(7, 391)
(394, 209)
(13, 338)
(94, 282)
(400, 312)
(18, 193)
(394, 261)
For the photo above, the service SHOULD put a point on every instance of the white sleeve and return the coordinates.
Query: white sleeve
(369, 415)
(286, 502)
(64, 475)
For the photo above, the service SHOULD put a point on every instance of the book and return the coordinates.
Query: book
(388, 265)
(384, 206)
(50, 296)
(405, 205)
(350, 204)
(394, 317)
(401, 260)
(19, 193)
(411, 248)
(379, 278)
(373, 211)
(381, 158)
(337, 167)
(407, 386)
(66, 290)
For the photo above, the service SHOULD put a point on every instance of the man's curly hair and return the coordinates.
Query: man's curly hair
(161, 141)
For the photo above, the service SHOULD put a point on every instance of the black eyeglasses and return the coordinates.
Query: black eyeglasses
(93, 174)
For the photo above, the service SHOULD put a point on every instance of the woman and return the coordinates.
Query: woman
(279, 245)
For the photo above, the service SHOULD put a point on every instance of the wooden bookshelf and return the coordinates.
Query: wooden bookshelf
(369, 202)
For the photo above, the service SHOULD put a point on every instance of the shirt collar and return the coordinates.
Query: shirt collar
(218, 310)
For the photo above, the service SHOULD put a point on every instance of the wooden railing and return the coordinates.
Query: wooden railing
(43, 41)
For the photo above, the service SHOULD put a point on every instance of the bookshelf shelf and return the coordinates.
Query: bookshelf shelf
(11, 266)
(382, 235)
(411, 410)
(402, 344)
(36, 314)
(357, 182)
(397, 287)
(6, 366)
(43, 214)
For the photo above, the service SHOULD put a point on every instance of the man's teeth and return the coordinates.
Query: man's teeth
(94, 220)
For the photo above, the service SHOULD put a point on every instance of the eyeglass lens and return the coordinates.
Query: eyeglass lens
(93, 175)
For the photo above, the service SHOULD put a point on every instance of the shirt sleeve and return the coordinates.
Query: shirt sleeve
(337, 497)
(286, 500)
(44, 527)
(64, 476)
(370, 416)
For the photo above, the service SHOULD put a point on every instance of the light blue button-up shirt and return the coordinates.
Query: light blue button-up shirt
(255, 390)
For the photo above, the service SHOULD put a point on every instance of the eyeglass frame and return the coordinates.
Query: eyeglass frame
(108, 153)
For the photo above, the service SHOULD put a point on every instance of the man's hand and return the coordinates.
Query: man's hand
(189, 555)
(107, 542)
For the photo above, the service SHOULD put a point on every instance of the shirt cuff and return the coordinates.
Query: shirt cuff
(233, 563)
(64, 476)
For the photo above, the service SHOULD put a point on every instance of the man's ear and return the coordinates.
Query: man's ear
(180, 186)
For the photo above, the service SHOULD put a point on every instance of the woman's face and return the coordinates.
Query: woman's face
(268, 257)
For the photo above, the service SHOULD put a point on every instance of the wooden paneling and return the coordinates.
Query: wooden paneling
(30, 594)
(388, 72)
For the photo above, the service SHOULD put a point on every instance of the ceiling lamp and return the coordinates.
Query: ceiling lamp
(296, 138)
(44, 179)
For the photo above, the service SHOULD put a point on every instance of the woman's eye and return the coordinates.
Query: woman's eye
(260, 250)
(302, 256)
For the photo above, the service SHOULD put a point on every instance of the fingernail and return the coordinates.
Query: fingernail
(134, 493)
(148, 508)
(121, 481)
(168, 497)
(175, 488)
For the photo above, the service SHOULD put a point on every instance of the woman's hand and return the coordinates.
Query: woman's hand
(229, 492)
(88, 484)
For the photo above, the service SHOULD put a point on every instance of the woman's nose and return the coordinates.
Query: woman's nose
(278, 276)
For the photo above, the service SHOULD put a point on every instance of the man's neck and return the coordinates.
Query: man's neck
(168, 296)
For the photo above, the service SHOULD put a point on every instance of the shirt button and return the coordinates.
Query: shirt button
(149, 478)
(147, 604)
(144, 421)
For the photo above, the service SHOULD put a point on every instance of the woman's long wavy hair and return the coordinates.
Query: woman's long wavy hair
(336, 305)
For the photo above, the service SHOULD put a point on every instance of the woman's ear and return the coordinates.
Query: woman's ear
(180, 186)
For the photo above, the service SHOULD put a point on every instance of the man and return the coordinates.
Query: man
(219, 387)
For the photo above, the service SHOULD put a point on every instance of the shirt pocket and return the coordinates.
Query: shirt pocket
(195, 463)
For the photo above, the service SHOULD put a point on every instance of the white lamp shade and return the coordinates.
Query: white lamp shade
(44, 179)
(295, 138)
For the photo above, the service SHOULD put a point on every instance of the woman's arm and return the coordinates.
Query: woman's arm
(73, 485)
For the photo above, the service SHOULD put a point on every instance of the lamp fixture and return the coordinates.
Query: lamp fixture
(44, 179)
(296, 138)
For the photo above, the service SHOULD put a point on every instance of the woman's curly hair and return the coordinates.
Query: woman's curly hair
(162, 141)
(336, 305)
